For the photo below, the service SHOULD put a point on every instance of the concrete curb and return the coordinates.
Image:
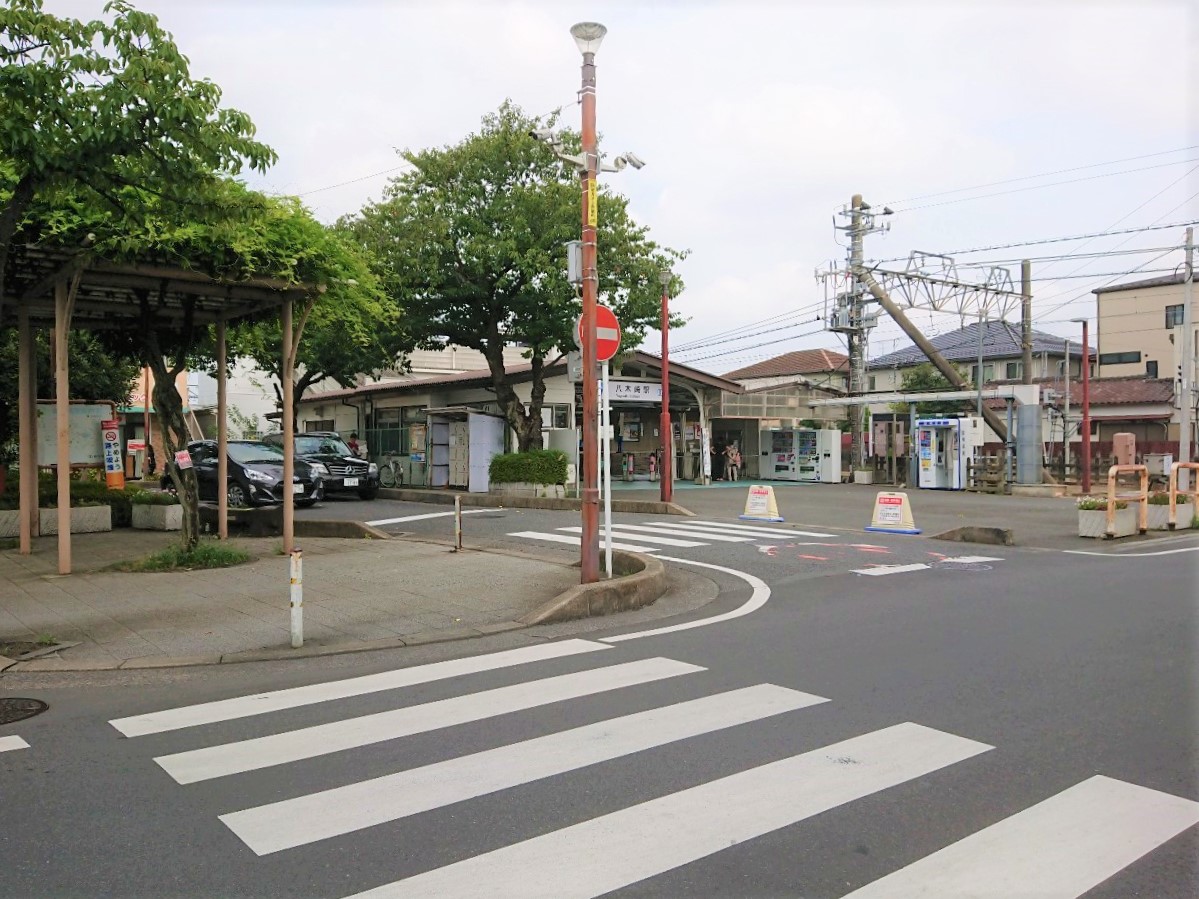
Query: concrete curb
(6, 662)
(988, 535)
(333, 527)
(642, 585)
(495, 501)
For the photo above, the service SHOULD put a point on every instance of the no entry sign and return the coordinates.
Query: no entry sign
(607, 333)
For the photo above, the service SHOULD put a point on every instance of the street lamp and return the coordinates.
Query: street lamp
(1086, 404)
(665, 427)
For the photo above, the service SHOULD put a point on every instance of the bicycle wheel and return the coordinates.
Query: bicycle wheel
(387, 475)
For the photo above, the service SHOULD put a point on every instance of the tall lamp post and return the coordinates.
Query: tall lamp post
(1086, 404)
(664, 427)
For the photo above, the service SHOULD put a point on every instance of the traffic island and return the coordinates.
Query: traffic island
(638, 580)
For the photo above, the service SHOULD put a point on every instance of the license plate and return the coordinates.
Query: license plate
(350, 482)
(297, 488)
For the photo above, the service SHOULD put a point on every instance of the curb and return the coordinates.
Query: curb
(987, 535)
(642, 586)
(498, 501)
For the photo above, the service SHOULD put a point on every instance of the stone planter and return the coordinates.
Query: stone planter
(10, 523)
(524, 488)
(1093, 522)
(84, 520)
(1159, 517)
(863, 476)
(157, 518)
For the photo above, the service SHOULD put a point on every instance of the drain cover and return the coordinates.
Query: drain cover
(19, 709)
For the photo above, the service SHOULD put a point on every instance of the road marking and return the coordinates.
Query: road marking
(331, 813)
(679, 532)
(1124, 555)
(8, 744)
(382, 521)
(322, 739)
(577, 541)
(622, 848)
(721, 527)
(644, 538)
(757, 599)
(879, 570)
(261, 703)
(968, 560)
(1059, 848)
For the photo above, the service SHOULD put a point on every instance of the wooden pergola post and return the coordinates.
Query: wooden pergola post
(222, 438)
(62, 401)
(27, 427)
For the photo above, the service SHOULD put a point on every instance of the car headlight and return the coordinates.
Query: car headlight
(318, 467)
(258, 476)
(372, 468)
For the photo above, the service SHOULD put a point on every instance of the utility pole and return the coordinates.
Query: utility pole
(1026, 321)
(1186, 391)
(1066, 415)
(856, 335)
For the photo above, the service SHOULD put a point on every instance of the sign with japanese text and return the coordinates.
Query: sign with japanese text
(114, 466)
(645, 391)
(183, 459)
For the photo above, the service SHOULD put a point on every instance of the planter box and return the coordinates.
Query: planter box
(1093, 522)
(1159, 517)
(84, 520)
(524, 488)
(10, 523)
(157, 518)
(863, 477)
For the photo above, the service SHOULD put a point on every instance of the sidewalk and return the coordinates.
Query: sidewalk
(358, 594)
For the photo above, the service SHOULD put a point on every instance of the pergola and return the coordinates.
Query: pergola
(58, 290)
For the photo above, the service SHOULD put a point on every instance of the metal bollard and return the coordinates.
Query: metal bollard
(457, 524)
(297, 598)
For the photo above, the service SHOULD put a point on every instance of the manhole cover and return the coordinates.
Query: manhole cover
(19, 709)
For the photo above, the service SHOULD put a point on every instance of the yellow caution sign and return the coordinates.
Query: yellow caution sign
(592, 204)
(760, 504)
(893, 514)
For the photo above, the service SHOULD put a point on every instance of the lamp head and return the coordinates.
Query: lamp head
(664, 276)
(588, 36)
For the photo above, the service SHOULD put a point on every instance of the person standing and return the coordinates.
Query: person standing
(352, 443)
(732, 462)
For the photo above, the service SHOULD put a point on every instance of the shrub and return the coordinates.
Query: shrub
(1098, 504)
(154, 498)
(1161, 498)
(533, 467)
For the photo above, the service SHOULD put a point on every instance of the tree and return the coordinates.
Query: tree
(101, 106)
(925, 378)
(472, 244)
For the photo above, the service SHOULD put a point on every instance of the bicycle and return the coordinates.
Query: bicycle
(391, 473)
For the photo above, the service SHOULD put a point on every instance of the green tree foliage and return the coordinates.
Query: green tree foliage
(472, 244)
(105, 105)
(925, 378)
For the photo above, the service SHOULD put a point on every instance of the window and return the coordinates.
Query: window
(322, 424)
(1120, 358)
(871, 382)
(988, 374)
(555, 416)
(1174, 316)
(1151, 368)
(1014, 370)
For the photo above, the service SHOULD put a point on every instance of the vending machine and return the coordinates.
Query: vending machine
(779, 459)
(944, 447)
(818, 455)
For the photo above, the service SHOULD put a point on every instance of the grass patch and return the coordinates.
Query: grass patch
(207, 554)
(9, 543)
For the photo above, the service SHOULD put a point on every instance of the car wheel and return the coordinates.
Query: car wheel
(369, 492)
(237, 496)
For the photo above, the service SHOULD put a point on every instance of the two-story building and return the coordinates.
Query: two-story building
(1140, 327)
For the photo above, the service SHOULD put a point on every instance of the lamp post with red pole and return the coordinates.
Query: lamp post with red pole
(665, 428)
(1086, 405)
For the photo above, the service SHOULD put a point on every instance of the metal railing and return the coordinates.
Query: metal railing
(1141, 497)
(1193, 493)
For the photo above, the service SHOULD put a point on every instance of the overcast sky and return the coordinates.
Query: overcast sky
(758, 121)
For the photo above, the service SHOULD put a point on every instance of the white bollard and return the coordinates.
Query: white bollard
(457, 524)
(297, 598)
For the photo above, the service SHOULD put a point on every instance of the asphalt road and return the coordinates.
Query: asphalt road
(902, 712)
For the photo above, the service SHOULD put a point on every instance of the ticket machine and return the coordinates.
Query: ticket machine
(945, 447)
(801, 454)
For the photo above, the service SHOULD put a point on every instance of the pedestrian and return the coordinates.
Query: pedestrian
(352, 443)
(151, 462)
(732, 462)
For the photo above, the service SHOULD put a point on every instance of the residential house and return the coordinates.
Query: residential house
(817, 368)
(1139, 327)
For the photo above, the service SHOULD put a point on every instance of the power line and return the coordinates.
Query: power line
(713, 341)
(1112, 281)
(317, 190)
(700, 342)
(766, 343)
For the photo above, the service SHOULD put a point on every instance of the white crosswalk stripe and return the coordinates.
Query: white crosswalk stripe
(644, 538)
(722, 527)
(1061, 847)
(306, 819)
(310, 742)
(578, 541)
(8, 744)
(624, 847)
(681, 532)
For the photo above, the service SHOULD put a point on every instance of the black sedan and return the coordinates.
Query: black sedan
(255, 474)
(346, 473)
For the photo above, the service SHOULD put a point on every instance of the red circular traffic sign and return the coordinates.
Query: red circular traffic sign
(607, 333)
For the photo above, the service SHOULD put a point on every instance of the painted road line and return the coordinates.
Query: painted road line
(331, 813)
(644, 538)
(625, 847)
(880, 570)
(577, 541)
(1059, 848)
(261, 703)
(382, 521)
(722, 528)
(757, 599)
(322, 739)
(679, 532)
(968, 560)
(1124, 555)
(8, 744)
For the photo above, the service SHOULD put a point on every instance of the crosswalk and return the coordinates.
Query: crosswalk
(686, 534)
(1064, 844)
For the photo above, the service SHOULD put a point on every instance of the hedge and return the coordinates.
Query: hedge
(83, 493)
(533, 467)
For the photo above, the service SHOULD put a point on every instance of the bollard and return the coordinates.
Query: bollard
(457, 524)
(297, 598)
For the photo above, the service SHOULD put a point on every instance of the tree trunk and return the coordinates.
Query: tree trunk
(173, 427)
(525, 423)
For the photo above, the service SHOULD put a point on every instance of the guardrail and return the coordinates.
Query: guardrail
(1193, 493)
(1141, 496)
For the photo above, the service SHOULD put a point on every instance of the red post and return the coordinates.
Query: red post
(1086, 410)
(665, 427)
(589, 550)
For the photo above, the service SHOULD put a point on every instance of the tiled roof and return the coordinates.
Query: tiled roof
(1163, 281)
(1125, 390)
(800, 362)
(1001, 340)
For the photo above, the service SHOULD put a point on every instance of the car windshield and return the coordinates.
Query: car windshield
(308, 445)
(249, 453)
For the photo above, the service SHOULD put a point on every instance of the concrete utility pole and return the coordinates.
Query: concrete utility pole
(1186, 392)
(856, 335)
(1026, 321)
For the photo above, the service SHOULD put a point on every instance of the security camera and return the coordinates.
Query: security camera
(545, 135)
(634, 160)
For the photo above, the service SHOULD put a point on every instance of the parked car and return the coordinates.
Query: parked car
(255, 475)
(346, 472)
